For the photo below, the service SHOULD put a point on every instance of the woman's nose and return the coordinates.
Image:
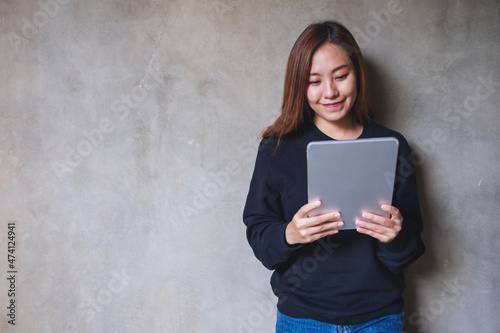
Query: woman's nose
(330, 90)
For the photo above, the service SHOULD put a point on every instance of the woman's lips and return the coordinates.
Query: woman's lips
(333, 105)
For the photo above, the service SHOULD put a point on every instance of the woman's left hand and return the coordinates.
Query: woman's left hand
(382, 228)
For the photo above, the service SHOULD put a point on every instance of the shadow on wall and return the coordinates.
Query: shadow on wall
(426, 265)
(384, 103)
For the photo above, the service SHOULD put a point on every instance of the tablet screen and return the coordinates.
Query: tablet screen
(351, 176)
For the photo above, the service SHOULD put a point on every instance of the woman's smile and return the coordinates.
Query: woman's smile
(333, 105)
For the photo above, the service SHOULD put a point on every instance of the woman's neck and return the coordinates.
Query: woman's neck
(344, 129)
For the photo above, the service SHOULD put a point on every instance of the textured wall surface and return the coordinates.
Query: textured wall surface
(129, 131)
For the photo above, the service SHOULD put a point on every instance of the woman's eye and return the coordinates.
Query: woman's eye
(314, 82)
(341, 77)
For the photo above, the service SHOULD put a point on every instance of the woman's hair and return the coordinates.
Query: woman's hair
(295, 109)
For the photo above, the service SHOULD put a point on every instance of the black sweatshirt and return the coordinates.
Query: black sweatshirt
(347, 278)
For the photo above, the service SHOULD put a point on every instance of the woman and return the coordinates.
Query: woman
(328, 280)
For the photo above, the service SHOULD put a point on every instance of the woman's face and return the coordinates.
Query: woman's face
(332, 85)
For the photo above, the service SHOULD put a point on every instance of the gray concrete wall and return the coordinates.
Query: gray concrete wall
(128, 135)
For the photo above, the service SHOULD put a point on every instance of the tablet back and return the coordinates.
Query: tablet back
(351, 176)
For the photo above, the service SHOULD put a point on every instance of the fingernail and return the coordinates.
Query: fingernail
(341, 223)
(366, 215)
(336, 215)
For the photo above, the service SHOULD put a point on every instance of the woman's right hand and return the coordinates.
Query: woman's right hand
(303, 229)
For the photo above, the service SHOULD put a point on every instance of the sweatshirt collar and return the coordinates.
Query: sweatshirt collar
(318, 135)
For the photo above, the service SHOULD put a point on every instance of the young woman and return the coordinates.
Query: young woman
(328, 280)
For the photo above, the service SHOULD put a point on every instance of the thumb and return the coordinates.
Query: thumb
(307, 208)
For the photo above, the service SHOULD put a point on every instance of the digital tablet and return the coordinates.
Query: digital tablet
(351, 176)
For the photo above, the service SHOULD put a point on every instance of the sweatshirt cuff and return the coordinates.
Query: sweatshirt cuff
(284, 248)
(398, 244)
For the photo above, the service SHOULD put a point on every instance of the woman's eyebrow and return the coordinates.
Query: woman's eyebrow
(333, 71)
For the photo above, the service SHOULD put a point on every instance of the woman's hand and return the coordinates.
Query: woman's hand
(382, 228)
(303, 229)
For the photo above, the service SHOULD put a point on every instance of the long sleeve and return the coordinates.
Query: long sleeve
(408, 245)
(263, 214)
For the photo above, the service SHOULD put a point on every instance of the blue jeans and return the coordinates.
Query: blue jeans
(388, 324)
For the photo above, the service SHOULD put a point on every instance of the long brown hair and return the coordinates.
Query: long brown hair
(295, 109)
